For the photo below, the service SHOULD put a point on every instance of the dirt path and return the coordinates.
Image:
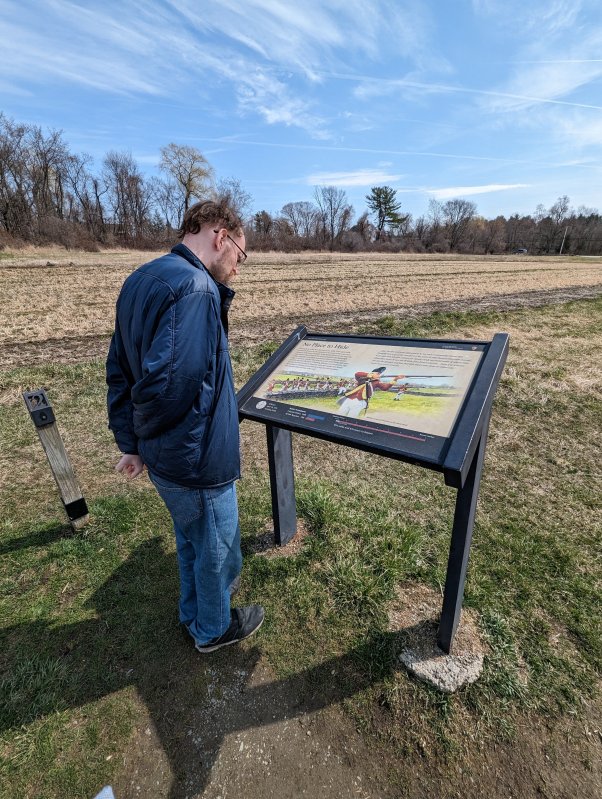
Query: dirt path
(75, 349)
(247, 734)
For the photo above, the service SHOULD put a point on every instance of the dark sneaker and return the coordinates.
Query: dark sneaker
(243, 623)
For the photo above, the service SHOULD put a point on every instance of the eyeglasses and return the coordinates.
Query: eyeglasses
(244, 255)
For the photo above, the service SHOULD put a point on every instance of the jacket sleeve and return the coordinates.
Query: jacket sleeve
(176, 366)
(119, 402)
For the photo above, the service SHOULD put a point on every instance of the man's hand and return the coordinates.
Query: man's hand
(130, 466)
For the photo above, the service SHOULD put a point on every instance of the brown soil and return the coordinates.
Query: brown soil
(74, 349)
(264, 544)
(232, 729)
(416, 605)
(61, 306)
(251, 735)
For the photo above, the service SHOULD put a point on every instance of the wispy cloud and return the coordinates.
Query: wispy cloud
(577, 129)
(261, 93)
(547, 17)
(317, 33)
(10, 88)
(551, 69)
(242, 142)
(358, 177)
(546, 83)
(89, 47)
(260, 49)
(149, 160)
(556, 64)
(467, 191)
(559, 61)
(37, 50)
(372, 87)
(282, 42)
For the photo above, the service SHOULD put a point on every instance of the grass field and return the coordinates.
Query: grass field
(91, 653)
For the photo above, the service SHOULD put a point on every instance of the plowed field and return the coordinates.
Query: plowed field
(60, 305)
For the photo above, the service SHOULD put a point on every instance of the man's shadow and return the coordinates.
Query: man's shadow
(134, 640)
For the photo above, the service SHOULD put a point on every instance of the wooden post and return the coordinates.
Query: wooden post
(42, 415)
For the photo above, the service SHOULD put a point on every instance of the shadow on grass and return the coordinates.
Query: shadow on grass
(134, 640)
(39, 538)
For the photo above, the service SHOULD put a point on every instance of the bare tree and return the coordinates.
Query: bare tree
(302, 217)
(16, 210)
(47, 163)
(456, 216)
(129, 196)
(586, 231)
(335, 213)
(260, 234)
(167, 199)
(364, 229)
(232, 192)
(190, 170)
(551, 224)
(32, 177)
(87, 189)
(493, 238)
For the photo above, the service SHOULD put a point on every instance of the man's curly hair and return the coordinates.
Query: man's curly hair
(210, 212)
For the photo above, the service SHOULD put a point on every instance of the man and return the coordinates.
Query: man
(172, 407)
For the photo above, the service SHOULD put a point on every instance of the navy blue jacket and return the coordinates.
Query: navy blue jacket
(171, 392)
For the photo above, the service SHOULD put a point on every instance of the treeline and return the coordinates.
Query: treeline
(49, 194)
(451, 226)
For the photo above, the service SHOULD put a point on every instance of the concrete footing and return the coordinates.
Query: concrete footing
(414, 615)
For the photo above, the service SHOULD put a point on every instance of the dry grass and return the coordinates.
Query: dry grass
(73, 299)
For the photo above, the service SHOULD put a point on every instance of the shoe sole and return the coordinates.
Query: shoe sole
(205, 649)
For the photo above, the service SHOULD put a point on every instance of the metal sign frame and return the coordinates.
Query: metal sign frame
(461, 460)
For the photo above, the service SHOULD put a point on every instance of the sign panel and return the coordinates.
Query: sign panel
(400, 395)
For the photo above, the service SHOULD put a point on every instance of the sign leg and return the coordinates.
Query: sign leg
(466, 504)
(282, 483)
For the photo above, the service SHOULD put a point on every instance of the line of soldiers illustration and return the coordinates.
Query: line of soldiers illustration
(303, 387)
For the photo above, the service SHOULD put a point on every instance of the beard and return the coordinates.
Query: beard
(221, 268)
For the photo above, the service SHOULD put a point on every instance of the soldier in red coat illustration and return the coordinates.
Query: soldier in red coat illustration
(357, 399)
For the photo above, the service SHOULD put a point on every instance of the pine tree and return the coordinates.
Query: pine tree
(382, 201)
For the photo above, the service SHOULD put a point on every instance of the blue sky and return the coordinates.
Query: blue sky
(497, 101)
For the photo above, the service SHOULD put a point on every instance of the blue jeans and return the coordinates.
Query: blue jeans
(209, 558)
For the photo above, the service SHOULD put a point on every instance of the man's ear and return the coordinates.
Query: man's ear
(219, 238)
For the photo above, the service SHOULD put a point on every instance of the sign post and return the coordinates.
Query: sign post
(282, 483)
(42, 415)
(423, 401)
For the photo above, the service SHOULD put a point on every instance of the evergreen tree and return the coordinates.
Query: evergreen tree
(382, 201)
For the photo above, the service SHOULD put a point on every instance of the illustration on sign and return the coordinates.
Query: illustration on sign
(416, 388)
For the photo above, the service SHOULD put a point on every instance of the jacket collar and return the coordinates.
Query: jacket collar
(225, 292)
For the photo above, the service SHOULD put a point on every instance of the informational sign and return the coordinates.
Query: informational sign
(402, 395)
(425, 401)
